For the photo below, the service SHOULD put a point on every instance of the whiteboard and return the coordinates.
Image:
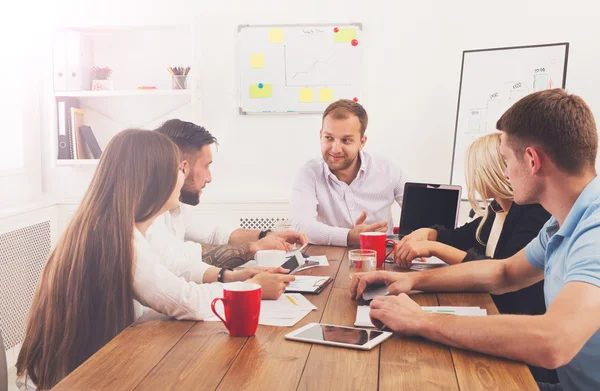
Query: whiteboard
(298, 68)
(491, 81)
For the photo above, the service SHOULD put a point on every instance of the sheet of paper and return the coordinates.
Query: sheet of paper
(257, 60)
(276, 35)
(325, 95)
(257, 92)
(345, 35)
(306, 95)
(285, 311)
(307, 283)
(362, 317)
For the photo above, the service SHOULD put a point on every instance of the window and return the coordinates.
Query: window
(11, 107)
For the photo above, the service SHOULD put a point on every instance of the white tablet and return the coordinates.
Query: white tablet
(346, 337)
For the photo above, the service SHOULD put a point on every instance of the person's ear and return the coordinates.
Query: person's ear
(184, 166)
(363, 141)
(534, 159)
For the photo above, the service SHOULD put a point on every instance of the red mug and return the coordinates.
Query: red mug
(241, 301)
(376, 241)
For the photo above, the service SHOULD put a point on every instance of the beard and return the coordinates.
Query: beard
(189, 195)
(339, 165)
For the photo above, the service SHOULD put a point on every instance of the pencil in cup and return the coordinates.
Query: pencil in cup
(179, 81)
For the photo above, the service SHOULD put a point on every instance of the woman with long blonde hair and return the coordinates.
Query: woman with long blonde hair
(103, 269)
(502, 229)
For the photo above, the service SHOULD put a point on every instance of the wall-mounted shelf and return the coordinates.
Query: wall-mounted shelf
(76, 162)
(120, 93)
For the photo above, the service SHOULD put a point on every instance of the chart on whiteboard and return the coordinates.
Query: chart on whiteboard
(492, 81)
(307, 65)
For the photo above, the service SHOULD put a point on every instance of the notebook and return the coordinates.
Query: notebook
(309, 284)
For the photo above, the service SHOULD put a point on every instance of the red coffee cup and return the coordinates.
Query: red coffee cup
(376, 241)
(242, 308)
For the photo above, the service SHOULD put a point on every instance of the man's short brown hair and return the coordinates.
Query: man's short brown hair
(342, 109)
(559, 123)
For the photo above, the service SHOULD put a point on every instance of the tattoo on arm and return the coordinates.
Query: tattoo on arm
(226, 255)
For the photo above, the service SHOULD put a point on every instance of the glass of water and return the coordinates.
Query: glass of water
(362, 261)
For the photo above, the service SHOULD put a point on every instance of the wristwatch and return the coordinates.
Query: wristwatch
(264, 233)
(221, 274)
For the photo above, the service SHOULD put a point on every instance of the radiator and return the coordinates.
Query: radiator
(23, 254)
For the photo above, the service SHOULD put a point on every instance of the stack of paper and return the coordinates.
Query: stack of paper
(288, 310)
(429, 263)
(363, 319)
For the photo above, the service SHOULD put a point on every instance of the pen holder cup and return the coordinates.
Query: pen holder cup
(179, 82)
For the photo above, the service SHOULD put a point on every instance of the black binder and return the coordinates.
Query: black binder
(89, 138)
(65, 143)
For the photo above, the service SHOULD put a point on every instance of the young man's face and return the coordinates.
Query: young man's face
(197, 176)
(341, 142)
(519, 173)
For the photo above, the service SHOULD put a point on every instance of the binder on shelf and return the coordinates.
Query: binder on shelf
(59, 59)
(89, 138)
(80, 150)
(63, 114)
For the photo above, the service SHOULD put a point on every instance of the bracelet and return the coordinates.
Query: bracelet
(221, 274)
(264, 233)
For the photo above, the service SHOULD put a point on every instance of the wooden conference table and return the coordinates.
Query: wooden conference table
(158, 353)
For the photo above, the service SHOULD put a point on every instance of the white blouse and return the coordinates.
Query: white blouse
(171, 283)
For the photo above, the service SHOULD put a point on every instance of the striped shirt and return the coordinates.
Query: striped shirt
(325, 208)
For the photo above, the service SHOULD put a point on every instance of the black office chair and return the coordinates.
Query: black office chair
(3, 367)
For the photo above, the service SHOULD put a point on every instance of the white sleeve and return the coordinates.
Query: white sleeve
(399, 182)
(303, 213)
(197, 230)
(184, 259)
(157, 287)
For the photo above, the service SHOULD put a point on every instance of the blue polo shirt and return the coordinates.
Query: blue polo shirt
(572, 253)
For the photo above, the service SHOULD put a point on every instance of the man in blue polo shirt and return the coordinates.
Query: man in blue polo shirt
(550, 143)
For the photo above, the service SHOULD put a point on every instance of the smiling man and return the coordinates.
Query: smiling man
(347, 191)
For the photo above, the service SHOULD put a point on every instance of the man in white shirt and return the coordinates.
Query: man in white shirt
(177, 232)
(347, 191)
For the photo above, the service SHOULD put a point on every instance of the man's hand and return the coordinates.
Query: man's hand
(273, 285)
(406, 252)
(396, 282)
(360, 226)
(291, 237)
(399, 313)
(270, 242)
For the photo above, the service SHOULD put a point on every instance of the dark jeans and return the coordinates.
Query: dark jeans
(550, 387)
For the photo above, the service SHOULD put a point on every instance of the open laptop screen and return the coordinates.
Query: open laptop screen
(426, 204)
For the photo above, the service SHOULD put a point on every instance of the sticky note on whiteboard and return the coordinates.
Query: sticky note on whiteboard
(257, 60)
(344, 35)
(325, 94)
(265, 92)
(276, 35)
(306, 95)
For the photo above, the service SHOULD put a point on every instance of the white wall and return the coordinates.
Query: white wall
(412, 67)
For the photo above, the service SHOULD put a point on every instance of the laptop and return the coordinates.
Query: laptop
(426, 205)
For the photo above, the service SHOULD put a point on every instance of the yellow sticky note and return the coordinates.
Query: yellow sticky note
(306, 95)
(344, 35)
(276, 35)
(257, 60)
(325, 95)
(257, 92)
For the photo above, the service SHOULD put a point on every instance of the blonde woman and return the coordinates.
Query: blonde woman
(501, 230)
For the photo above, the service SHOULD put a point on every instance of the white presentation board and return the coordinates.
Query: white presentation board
(491, 81)
(298, 68)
